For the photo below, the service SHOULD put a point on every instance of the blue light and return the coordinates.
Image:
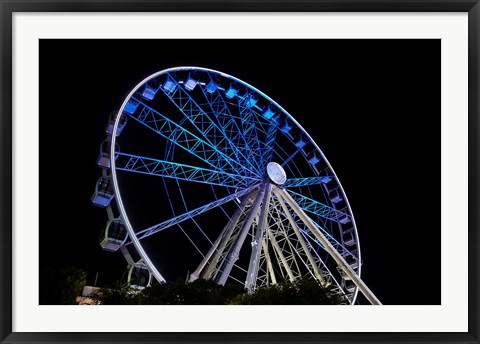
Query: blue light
(252, 100)
(300, 142)
(268, 112)
(326, 179)
(192, 81)
(103, 192)
(313, 159)
(151, 89)
(232, 91)
(169, 85)
(213, 84)
(131, 107)
(149, 93)
(286, 127)
(335, 196)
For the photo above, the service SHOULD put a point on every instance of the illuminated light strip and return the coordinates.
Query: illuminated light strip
(162, 168)
(318, 208)
(196, 115)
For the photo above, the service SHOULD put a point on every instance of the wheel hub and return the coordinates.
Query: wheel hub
(276, 173)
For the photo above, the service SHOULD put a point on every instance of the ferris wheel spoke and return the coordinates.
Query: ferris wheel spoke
(250, 127)
(292, 250)
(217, 101)
(290, 157)
(310, 237)
(269, 143)
(240, 218)
(203, 123)
(228, 124)
(210, 260)
(234, 251)
(319, 209)
(253, 265)
(271, 272)
(308, 181)
(342, 264)
(335, 243)
(325, 271)
(303, 243)
(162, 168)
(192, 213)
(277, 236)
(188, 141)
(322, 272)
(279, 252)
(305, 230)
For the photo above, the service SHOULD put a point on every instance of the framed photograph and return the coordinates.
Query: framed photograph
(253, 172)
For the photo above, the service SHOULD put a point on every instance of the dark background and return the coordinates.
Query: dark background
(372, 106)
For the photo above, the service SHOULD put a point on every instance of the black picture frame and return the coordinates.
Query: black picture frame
(8, 7)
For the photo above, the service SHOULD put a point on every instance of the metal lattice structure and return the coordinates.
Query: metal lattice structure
(236, 172)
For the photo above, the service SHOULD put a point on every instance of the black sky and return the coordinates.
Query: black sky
(372, 106)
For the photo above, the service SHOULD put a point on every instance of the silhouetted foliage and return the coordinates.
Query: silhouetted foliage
(61, 286)
(117, 294)
(203, 292)
(199, 292)
(300, 292)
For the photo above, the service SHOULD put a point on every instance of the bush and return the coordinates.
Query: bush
(61, 286)
(300, 292)
(203, 292)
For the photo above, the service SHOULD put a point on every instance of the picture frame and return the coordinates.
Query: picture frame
(8, 8)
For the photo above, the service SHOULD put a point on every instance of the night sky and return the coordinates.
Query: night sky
(372, 106)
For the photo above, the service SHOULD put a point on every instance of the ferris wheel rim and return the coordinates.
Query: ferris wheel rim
(136, 242)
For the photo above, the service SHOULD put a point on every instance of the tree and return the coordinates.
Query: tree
(117, 294)
(300, 292)
(207, 292)
(199, 292)
(61, 286)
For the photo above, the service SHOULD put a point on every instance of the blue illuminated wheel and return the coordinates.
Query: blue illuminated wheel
(215, 180)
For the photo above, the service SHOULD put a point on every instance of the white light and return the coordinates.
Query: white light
(276, 173)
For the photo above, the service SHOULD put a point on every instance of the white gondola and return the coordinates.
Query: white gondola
(150, 90)
(192, 81)
(343, 273)
(139, 277)
(348, 237)
(351, 259)
(103, 194)
(103, 159)
(121, 123)
(114, 236)
(350, 286)
(169, 85)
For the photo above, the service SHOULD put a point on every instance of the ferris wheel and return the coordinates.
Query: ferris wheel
(247, 188)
